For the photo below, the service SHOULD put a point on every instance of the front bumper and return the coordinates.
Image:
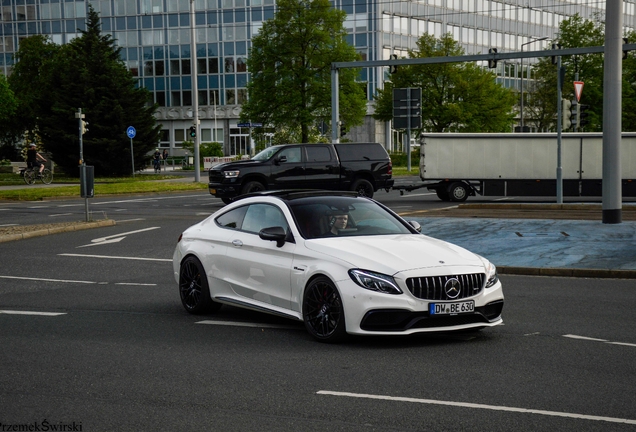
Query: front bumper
(370, 313)
(221, 190)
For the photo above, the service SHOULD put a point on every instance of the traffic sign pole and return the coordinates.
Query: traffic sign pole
(131, 132)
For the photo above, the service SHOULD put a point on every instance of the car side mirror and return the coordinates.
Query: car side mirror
(276, 234)
(416, 225)
(281, 159)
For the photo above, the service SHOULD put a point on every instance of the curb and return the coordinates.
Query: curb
(568, 272)
(75, 227)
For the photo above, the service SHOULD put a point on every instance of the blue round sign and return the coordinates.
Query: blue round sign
(131, 132)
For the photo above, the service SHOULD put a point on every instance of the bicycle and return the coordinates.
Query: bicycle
(30, 175)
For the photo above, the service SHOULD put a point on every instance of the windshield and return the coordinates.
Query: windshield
(319, 217)
(266, 154)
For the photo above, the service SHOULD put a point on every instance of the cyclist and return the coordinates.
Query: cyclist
(33, 158)
(156, 160)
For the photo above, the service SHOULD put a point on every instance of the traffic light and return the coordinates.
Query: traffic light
(582, 116)
(566, 114)
(83, 126)
(343, 129)
(193, 131)
(393, 68)
(492, 63)
(625, 52)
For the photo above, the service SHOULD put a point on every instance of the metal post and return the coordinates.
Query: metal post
(195, 95)
(335, 106)
(559, 169)
(612, 125)
(132, 157)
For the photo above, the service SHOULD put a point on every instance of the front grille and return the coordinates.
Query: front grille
(216, 176)
(434, 287)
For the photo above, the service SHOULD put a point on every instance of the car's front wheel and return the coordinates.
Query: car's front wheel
(194, 289)
(252, 186)
(323, 312)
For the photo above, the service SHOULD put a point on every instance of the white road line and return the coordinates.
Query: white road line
(101, 239)
(61, 214)
(503, 199)
(247, 324)
(11, 312)
(135, 284)
(422, 194)
(480, 406)
(203, 214)
(117, 257)
(47, 280)
(598, 340)
(70, 205)
(130, 220)
(38, 207)
(571, 336)
(142, 199)
(9, 225)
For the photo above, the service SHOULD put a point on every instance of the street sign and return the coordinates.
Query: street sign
(407, 108)
(131, 132)
(578, 89)
(249, 125)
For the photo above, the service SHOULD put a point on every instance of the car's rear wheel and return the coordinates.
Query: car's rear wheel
(363, 187)
(323, 312)
(252, 186)
(194, 289)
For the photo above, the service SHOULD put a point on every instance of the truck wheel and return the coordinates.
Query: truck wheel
(226, 200)
(363, 187)
(458, 192)
(253, 186)
(442, 194)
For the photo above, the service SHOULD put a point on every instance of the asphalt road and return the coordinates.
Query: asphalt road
(123, 355)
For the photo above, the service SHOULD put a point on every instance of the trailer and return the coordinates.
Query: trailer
(459, 165)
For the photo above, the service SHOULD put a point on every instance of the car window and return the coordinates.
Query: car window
(259, 216)
(232, 219)
(266, 154)
(318, 153)
(292, 153)
(315, 218)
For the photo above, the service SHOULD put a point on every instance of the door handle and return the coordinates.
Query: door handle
(237, 243)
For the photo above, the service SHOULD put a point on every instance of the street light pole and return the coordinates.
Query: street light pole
(521, 105)
(195, 95)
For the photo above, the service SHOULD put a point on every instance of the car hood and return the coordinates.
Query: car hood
(236, 165)
(392, 254)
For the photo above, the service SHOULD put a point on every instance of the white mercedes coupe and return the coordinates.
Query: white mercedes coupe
(340, 263)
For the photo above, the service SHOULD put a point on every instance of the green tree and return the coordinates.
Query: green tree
(456, 97)
(8, 107)
(89, 74)
(579, 32)
(290, 69)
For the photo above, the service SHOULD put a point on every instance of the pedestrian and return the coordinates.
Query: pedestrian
(34, 158)
(164, 155)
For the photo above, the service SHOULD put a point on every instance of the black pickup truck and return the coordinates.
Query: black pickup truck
(362, 167)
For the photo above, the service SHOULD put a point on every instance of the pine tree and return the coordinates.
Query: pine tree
(89, 74)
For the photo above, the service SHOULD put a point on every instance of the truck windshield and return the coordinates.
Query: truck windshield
(267, 153)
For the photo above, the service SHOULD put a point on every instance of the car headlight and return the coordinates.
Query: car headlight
(375, 281)
(231, 174)
(491, 274)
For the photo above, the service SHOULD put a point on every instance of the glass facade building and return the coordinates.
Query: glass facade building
(155, 37)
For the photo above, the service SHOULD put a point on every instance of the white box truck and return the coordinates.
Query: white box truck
(458, 165)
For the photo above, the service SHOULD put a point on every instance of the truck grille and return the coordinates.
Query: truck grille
(216, 176)
(435, 287)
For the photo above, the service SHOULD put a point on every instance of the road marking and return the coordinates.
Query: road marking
(11, 312)
(47, 280)
(130, 220)
(38, 207)
(203, 214)
(9, 225)
(115, 237)
(142, 199)
(61, 214)
(135, 284)
(247, 324)
(70, 205)
(598, 340)
(479, 406)
(422, 194)
(117, 257)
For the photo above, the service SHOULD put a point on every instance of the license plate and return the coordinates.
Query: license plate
(213, 191)
(454, 308)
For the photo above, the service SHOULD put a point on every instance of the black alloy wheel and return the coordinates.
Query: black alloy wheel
(252, 186)
(363, 187)
(194, 289)
(323, 312)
